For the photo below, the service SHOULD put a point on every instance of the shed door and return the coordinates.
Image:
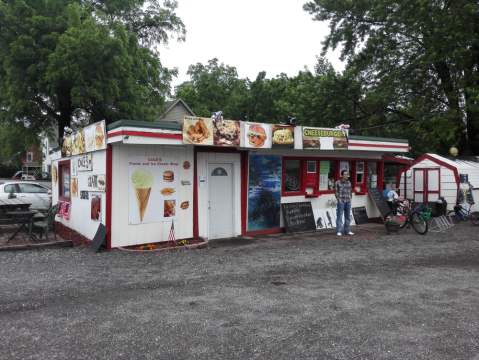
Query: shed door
(419, 185)
(426, 185)
(432, 185)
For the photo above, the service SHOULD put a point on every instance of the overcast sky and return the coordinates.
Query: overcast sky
(253, 35)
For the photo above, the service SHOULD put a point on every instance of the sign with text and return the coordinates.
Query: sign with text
(298, 217)
(380, 202)
(324, 138)
(84, 163)
(96, 182)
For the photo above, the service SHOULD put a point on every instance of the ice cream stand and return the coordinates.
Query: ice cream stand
(209, 178)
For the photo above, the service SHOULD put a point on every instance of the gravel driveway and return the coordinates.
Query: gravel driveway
(394, 297)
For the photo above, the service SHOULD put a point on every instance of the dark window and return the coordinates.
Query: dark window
(219, 171)
(328, 174)
(292, 175)
(372, 174)
(311, 167)
(32, 189)
(359, 172)
(11, 188)
(64, 180)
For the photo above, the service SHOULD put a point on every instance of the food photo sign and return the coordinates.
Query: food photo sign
(205, 131)
(283, 136)
(257, 135)
(88, 139)
(324, 139)
(152, 190)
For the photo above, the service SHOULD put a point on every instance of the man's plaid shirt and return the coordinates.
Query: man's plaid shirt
(343, 190)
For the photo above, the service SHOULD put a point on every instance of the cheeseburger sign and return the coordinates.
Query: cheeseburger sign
(325, 139)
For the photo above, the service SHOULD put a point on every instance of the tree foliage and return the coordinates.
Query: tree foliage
(418, 64)
(61, 60)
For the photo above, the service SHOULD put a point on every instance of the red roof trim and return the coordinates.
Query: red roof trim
(379, 145)
(437, 161)
(146, 134)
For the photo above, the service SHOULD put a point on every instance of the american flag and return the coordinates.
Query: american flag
(171, 236)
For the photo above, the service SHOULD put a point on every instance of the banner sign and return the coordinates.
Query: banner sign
(257, 135)
(84, 163)
(325, 139)
(283, 136)
(88, 139)
(197, 131)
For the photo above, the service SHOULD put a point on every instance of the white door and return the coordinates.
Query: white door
(432, 185)
(221, 200)
(419, 185)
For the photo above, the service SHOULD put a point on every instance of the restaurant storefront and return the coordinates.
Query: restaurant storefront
(218, 178)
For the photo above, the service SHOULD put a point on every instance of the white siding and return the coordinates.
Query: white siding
(124, 234)
(80, 210)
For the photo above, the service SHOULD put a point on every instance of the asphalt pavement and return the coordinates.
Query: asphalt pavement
(303, 297)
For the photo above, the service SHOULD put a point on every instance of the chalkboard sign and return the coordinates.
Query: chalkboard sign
(298, 217)
(360, 215)
(380, 202)
(98, 241)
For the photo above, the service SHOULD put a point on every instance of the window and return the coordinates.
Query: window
(64, 180)
(327, 175)
(311, 169)
(29, 156)
(219, 171)
(292, 175)
(32, 189)
(372, 174)
(11, 188)
(359, 172)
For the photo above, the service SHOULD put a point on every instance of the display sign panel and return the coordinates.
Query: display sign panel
(324, 139)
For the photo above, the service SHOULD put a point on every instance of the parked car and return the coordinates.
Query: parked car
(38, 195)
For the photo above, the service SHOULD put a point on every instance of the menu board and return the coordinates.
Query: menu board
(197, 131)
(257, 135)
(298, 217)
(325, 139)
(360, 215)
(380, 202)
(283, 136)
(153, 186)
(88, 139)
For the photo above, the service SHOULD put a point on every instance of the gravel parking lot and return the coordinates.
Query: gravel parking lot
(304, 297)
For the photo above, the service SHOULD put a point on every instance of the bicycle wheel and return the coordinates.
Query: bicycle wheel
(418, 223)
(474, 216)
(453, 216)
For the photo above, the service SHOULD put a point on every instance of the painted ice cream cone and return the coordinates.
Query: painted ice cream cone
(142, 181)
(142, 196)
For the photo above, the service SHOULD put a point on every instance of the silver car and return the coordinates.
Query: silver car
(38, 195)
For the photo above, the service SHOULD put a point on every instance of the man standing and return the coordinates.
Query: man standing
(343, 196)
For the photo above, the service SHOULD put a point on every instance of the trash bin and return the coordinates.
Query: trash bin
(439, 208)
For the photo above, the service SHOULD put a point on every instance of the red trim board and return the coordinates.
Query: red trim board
(145, 134)
(109, 172)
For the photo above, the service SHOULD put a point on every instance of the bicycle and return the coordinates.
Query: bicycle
(405, 213)
(460, 213)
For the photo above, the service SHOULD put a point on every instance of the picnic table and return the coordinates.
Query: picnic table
(16, 212)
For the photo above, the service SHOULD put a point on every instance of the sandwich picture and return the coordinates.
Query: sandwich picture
(184, 205)
(283, 135)
(168, 176)
(256, 136)
(340, 143)
(99, 137)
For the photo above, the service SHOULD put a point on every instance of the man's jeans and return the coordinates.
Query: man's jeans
(343, 207)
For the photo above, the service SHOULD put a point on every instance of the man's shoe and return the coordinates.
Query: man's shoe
(350, 233)
(339, 234)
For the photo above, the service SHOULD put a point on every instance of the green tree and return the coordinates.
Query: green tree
(15, 139)
(213, 87)
(61, 60)
(417, 61)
